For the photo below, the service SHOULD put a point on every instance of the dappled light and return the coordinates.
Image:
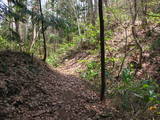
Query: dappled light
(79, 60)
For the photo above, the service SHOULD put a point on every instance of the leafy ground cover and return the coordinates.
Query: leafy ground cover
(30, 89)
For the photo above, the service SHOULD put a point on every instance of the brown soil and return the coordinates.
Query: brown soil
(31, 90)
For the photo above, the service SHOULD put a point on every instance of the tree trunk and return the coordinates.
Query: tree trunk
(10, 19)
(77, 20)
(35, 27)
(91, 12)
(34, 33)
(144, 13)
(43, 33)
(135, 36)
(95, 11)
(18, 33)
(102, 45)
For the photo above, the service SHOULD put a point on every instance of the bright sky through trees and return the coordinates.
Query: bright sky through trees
(5, 1)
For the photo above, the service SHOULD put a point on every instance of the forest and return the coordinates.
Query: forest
(79, 59)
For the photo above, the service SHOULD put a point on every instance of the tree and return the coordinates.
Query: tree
(134, 14)
(43, 33)
(35, 25)
(102, 45)
(91, 11)
(18, 16)
(144, 13)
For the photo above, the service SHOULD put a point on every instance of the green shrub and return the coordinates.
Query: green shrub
(54, 37)
(91, 73)
(5, 44)
(156, 44)
(56, 57)
(137, 94)
(53, 60)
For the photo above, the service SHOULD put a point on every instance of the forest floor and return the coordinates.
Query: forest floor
(150, 70)
(32, 90)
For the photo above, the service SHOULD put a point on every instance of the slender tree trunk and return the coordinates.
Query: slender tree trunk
(10, 19)
(135, 36)
(91, 12)
(95, 9)
(35, 26)
(102, 45)
(43, 33)
(77, 19)
(144, 12)
(34, 33)
(125, 53)
(18, 33)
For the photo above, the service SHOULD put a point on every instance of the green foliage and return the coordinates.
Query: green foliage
(91, 73)
(154, 17)
(108, 35)
(58, 23)
(112, 59)
(5, 44)
(37, 47)
(53, 60)
(8, 34)
(126, 76)
(56, 57)
(91, 33)
(53, 38)
(90, 36)
(115, 16)
(138, 94)
(156, 44)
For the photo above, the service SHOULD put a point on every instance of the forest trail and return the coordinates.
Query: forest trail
(73, 64)
(79, 102)
(32, 90)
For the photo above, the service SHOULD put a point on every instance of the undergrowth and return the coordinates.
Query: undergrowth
(137, 94)
(56, 57)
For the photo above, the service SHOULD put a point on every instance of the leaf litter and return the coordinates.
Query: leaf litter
(32, 90)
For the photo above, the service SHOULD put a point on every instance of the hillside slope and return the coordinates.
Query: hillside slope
(31, 90)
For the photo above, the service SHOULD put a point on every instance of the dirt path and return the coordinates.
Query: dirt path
(70, 99)
(74, 98)
(35, 91)
(77, 101)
